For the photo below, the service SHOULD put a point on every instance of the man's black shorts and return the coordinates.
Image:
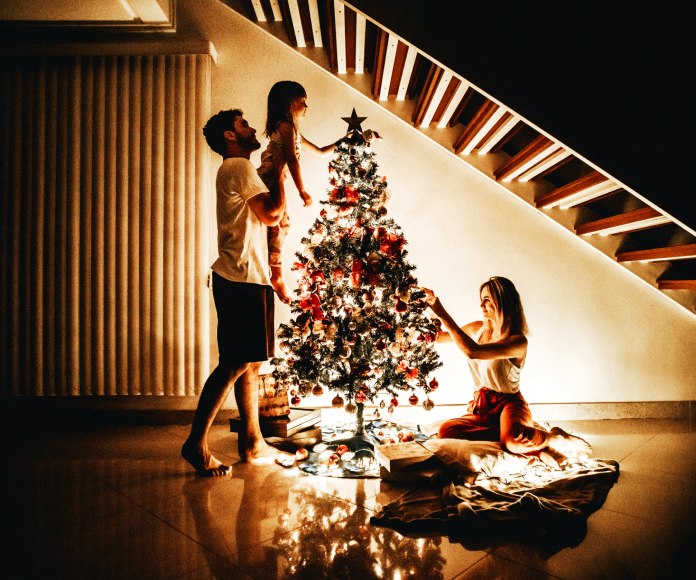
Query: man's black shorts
(245, 331)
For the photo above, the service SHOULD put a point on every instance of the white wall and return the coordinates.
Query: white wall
(598, 334)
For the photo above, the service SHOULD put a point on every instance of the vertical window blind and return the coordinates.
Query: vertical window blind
(105, 216)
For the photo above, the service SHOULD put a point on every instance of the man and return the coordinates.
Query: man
(242, 293)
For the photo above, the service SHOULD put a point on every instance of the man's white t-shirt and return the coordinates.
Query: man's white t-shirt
(242, 238)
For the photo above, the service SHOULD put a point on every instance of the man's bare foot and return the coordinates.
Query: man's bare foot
(203, 462)
(279, 287)
(264, 454)
(567, 444)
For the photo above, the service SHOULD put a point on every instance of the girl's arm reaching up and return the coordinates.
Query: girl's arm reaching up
(321, 150)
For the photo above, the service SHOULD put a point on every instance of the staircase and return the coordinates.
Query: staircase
(491, 138)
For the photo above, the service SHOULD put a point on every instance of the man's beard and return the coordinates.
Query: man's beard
(248, 143)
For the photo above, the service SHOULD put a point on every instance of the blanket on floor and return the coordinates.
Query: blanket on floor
(497, 495)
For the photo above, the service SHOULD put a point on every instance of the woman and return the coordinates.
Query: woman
(496, 348)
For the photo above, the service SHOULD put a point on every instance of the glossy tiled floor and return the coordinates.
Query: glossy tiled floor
(118, 502)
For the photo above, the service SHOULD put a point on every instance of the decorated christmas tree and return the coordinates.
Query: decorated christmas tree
(360, 325)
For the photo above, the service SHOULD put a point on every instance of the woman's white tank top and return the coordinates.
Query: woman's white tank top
(499, 374)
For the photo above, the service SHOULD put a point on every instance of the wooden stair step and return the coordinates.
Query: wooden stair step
(683, 252)
(668, 284)
(589, 187)
(631, 221)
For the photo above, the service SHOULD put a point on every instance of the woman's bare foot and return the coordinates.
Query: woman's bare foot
(567, 444)
(552, 458)
(203, 461)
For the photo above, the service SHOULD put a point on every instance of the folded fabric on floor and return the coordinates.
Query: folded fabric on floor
(500, 495)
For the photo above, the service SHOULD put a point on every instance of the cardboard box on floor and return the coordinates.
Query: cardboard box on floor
(298, 419)
(397, 456)
(410, 464)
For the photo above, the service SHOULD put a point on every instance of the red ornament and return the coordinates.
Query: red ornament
(356, 273)
(405, 436)
(400, 306)
(313, 303)
(394, 402)
(360, 397)
(317, 390)
(433, 384)
(337, 402)
(295, 400)
(391, 244)
(413, 399)
(352, 196)
(318, 276)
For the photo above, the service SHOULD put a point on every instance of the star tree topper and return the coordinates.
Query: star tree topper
(354, 122)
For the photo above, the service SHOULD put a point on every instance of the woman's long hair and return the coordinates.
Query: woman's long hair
(509, 304)
(280, 97)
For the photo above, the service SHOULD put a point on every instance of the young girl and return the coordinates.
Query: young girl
(496, 348)
(287, 104)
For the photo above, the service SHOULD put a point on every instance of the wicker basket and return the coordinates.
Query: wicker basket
(273, 398)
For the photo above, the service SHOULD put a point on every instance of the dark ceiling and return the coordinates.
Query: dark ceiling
(608, 79)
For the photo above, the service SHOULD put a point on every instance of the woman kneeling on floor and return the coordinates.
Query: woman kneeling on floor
(496, 348)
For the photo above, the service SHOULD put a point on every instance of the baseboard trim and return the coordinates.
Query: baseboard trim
(162, 410)
(614, 410)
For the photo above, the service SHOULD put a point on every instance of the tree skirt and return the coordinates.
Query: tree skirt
(343, 454)
(498, 495)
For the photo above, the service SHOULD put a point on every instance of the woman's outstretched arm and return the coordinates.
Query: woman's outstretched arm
(514, 346)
